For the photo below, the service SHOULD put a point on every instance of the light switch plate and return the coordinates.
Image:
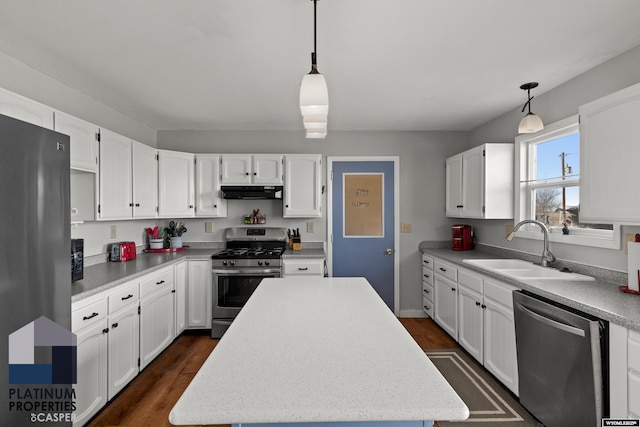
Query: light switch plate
(208, 227)
(113, 232)
(311, 227)
(405, 227)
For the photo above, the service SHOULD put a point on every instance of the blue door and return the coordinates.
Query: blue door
(363, 223)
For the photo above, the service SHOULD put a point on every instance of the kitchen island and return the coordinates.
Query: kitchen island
(317, 350)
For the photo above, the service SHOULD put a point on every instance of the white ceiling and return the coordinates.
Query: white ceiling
(389, 64)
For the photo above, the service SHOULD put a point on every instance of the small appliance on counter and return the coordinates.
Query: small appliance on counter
(77, 259)
(123, 251)
(463, 238)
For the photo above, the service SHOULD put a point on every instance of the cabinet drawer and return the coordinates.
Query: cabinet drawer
(470, 280)
(89, 315)
(634, 354)
(427, 307)
(427, 291)
(499, 292)
(126, 296)
(446, 270)
(307, 267)
(427, 262)
(153, 282)
(427, 275)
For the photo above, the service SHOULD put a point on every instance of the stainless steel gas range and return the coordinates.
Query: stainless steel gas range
(251, 254)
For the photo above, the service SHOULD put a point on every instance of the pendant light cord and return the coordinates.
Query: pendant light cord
(314, 64)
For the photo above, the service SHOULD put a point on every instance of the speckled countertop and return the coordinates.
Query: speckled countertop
(103, 276)
(344, 357)
(601, 298)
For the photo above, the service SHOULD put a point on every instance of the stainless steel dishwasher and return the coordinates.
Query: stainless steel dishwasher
(562, 362)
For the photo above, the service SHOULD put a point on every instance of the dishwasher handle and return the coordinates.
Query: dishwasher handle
(550, 322)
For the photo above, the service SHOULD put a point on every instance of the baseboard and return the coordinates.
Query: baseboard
(412, 313)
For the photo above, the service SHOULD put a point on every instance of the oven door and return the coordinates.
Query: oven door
(233, 287)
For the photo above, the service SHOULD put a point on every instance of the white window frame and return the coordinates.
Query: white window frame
(523, 209)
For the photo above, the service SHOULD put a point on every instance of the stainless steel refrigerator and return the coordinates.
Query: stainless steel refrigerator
(35, 260)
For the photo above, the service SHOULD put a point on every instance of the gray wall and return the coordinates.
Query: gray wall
(422, 156)
(556, 104)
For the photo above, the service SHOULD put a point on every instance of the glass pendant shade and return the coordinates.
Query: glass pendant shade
(315, 121)
(314, 95)
(317, 134)
(530, 123)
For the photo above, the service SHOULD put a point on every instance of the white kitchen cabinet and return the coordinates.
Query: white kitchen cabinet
(83, 136)
(21, 108)
(500, 357)
(624, 372)
(446, 297)
(176, 192)
(157, 318)
(470, 314)
(180, 284)
(116, 181)
(145, 180)
(199, 302)
(428, 291)
(209, 201)
(263, 169)
(303, 267)
(303, 186)
(89, 323)
(124, 337)
(609, 158)
(479, 183)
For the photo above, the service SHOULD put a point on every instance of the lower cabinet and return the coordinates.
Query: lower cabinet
(198, 295)
(124, 348)
(478, 313)
(303, 267)
(624, 371)
(157, 319)
(180, 284)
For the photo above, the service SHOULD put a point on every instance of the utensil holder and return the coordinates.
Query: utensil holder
(176, 241)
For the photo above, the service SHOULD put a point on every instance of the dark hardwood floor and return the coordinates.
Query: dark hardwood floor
(149, 398)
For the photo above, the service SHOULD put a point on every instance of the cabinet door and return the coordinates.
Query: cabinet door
(84, 141)
(453, 193)
(500, 343)
(470, 322)
(446, 305)
(175, 184)
(116, 201)
(472, 183)
(199, 301)
(209, 201)
(609, 158)
(303, 186)
(91, 387)
(124, 348)
(267, 168)
(180, 283)
(236, 169)
(24, 109)
(157, 321)
(145, 181)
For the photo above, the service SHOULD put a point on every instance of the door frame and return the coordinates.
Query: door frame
(396, 216)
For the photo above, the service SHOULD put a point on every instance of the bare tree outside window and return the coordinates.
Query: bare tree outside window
(547, 205)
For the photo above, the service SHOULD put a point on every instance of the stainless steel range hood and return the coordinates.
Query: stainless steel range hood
(251, 192)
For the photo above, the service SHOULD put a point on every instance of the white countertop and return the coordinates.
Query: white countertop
(316, 350)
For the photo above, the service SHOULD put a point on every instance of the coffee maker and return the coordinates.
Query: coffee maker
(463, 238)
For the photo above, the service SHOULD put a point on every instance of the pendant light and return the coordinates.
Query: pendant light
(530, 123)
(314, 95)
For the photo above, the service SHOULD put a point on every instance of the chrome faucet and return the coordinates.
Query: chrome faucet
(547, 256)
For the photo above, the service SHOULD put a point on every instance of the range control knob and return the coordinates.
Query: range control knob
(232, 262)
(260, 262)
(266, 263)
(224, 262)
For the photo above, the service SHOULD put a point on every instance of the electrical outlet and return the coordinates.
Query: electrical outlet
(311, 227)
(113, 232)
(208, 227)
(405, 227)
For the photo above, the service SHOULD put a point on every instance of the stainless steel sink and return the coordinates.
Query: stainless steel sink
(524, 270)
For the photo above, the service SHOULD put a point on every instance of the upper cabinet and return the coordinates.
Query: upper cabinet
(128, 178)
(24, 109)
(209, 201)
(84, 141)
(479, 183)
(263, 169)
(176, 184)
(303, 186)
(609, 158)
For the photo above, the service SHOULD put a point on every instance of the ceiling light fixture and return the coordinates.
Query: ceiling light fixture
(530, 123)
(314, 95)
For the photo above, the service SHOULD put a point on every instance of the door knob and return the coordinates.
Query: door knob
(389, 251)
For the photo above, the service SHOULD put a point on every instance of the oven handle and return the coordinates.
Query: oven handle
(253, 271)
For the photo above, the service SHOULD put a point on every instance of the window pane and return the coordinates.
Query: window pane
(557, 159)
(559, 205)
